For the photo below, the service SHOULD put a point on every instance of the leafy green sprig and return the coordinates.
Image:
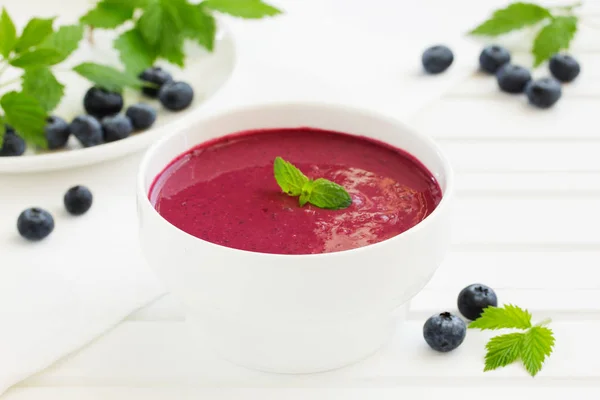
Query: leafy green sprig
(557, 26)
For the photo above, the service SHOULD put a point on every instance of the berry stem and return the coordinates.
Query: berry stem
(90, 36)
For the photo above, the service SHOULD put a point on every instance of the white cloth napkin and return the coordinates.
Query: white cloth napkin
(59, 294)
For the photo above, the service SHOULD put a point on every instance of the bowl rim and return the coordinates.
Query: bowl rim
(447, 170)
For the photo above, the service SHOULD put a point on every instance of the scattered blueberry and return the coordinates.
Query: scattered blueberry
(543, 93)
(493, 57)
(176, 96)
(157, 76)
(116, 128)
(57, 132)
(564, 67)
(437, 59)
(444, 332)
(35, 224)
(78, 200)
(142, 115)
(87, 130)
(512, 78)
(101, 103)
(474, 298)
(13, 145)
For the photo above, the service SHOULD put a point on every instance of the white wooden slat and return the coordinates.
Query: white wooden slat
(413, 391)
(523, 155)
(168, 354)
(528, 183)
(507, 117)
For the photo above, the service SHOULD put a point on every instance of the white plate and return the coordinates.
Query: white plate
(205, 72)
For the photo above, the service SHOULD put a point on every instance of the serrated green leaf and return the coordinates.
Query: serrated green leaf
(65, 40)
(289, 178)
(8, 34)
(513, 17)
(503, 350)
(555, 36)
(43, 85)
(135, 54)
(37, 58)
(131, 3)
(26, 115)
(198, 25)
(150, 23)
(508, 316)
(329, 195)
(109, 14)
(170, 43)
(107, 77)
(36, 30)
(536, 345)
(250, 9)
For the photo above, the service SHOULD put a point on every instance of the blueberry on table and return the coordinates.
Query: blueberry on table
(474, 298)
(13, 145)
(142, 115)
(564, 67)
(444, 332)
(513, 78)
(158, 77)
(543, 93)
(493, 57)
(116, 128)
(101, 102)
(57, 132)
(437, 59)
(78, 200)
(176, 96)
(87, 130)
(35, 224)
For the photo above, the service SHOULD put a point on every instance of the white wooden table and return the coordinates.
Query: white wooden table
(527, 224)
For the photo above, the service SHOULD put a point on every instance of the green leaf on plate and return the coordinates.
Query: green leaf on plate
(36, 30)
(36, 58)
(198, 25)
(8, 34)
(42, 84)
(135, 54)
(250, 9)
(109, 14)
(107, 77)
(26, 115)
(65, 40)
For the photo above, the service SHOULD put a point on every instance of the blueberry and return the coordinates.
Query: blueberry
(512, 78)
(176, 96)
(78, 200)
(13, 145)
(564, 67)
(437, 59)
(35, 223)
(444, 332)
(543, 93)
(116, 128)
(157, 76)
(493, 57)
(87, 130)
(142, 115)
(474, 298)
(57, 132)
(101, 103)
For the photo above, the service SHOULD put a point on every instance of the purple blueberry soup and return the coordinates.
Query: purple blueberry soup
(224, 191)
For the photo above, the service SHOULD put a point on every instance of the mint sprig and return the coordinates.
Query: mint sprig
(532, 345)
(320, 192)
(558, 26)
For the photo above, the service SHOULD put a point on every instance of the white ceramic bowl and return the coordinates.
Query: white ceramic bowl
(295, 313)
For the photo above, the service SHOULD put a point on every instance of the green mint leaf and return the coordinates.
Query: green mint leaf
(306, 192)
(289, 178)
(109, 14)
(37, 58)
(36, 30)
(8, 34)
(329, 195)
(26, 115)
(161, 26)
(65, 40)
(503, 350)
(107, 77)
(150, 23)
(508, 316)
(42, 84)
(198, 25)
(250, 9)
(513, 17)
(555, 36)
(536, 345)
(135, 54)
